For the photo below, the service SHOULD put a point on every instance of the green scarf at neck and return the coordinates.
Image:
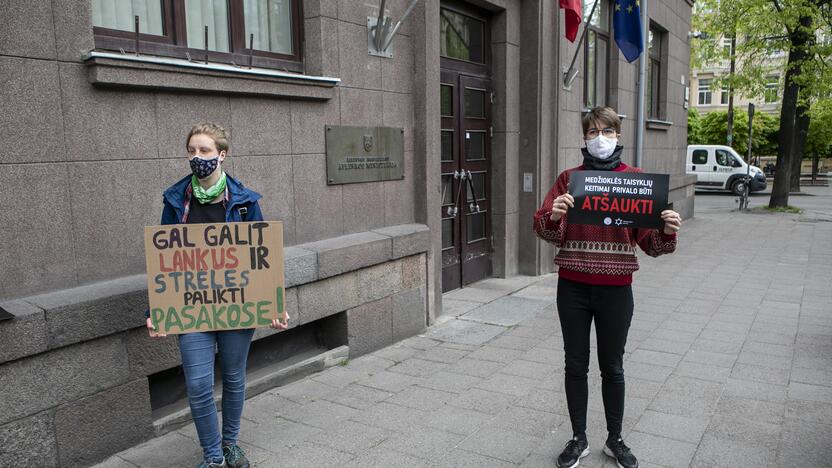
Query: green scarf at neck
(204, 196)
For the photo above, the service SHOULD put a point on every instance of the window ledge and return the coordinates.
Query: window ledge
(655, 124)
(121, 70)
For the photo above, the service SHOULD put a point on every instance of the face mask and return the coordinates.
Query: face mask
(202, 168)
(601, 147)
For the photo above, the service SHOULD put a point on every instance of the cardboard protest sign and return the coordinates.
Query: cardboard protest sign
(618, 199)
(225, 276)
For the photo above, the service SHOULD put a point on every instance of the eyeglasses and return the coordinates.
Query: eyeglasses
(607, 132)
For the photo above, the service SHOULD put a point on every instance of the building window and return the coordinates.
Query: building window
(726, 48)
(705, 91)
(772, 88)
(177, 28)
(655, 45)
(461, 37)
(596, 54)
(723, 99)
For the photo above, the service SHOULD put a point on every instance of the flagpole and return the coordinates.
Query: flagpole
(568, 75)
(642, 68)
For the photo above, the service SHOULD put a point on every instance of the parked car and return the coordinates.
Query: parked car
(719, 167)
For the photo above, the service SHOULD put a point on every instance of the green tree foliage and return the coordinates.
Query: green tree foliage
(819, 140)
(762, 28)
(694, 127)
(772, 35)
(711, 130)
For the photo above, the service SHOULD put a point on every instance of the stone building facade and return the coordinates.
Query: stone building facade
(93, 134)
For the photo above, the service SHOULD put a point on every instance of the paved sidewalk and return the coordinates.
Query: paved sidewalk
(728, 363)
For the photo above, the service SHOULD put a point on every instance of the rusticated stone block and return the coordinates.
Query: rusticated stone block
(370, 327)
(413, 271)
(326, 297)
(100, 309)
(300, 266)
(91, 429)
(148, 355)
(409, 313)
(49, 379)
(25, 334)
(408, 239)
(29, 441)
(379, 281)
(79, 322)
(351, 252)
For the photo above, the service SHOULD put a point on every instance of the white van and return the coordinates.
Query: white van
(719, 167)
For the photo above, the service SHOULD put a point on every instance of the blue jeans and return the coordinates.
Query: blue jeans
(197, 350)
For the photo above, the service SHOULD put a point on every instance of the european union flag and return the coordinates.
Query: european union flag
(627, 23)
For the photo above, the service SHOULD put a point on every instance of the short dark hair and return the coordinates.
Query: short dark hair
(604, 115)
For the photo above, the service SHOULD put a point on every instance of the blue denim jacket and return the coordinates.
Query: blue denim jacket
(242, 205)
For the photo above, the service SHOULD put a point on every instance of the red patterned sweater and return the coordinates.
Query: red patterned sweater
(597, 254)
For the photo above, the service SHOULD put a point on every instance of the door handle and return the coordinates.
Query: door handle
(714, 168)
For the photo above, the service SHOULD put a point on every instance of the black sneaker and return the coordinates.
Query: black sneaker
(573, 452)
(615, 448)
(234, 456)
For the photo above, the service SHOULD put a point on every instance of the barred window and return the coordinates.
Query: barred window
(260, 33)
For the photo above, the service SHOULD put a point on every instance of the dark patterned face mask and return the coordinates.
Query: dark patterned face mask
(202, 168)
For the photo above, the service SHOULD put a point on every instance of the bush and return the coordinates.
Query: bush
(694, 126)
(712, 129)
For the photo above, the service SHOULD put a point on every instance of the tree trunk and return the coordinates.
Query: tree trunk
(782, 178)
(801, 130)
(788, 116)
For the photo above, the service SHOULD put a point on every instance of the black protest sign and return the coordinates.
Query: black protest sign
(618, 199)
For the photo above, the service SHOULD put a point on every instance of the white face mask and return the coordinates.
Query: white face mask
(601, 147)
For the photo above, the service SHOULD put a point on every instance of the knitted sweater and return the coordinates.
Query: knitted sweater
(596, 254)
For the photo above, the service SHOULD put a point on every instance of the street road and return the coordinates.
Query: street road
(812, 198)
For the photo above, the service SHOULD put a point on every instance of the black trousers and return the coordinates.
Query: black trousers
(612, 309)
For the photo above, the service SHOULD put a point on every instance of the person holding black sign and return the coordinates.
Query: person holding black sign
(209, 195)
(596, 264)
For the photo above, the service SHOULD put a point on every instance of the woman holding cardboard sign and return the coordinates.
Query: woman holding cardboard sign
(596, 264)
(209, 195)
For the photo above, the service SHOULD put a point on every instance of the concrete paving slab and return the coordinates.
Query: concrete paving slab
(725, 367)
(506, 311)
(717, 452)
(465, 332)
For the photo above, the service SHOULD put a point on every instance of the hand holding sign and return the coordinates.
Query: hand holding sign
(560, 205)
(277, 324)
(672, 221)
(151, 330)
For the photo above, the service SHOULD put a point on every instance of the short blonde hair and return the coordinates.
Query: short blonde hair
(603, 115)
(216, 132)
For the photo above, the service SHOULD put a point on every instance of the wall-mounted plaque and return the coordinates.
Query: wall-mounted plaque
(364, 154)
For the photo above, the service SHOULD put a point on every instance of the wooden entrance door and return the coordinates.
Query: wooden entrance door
(466, 148)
